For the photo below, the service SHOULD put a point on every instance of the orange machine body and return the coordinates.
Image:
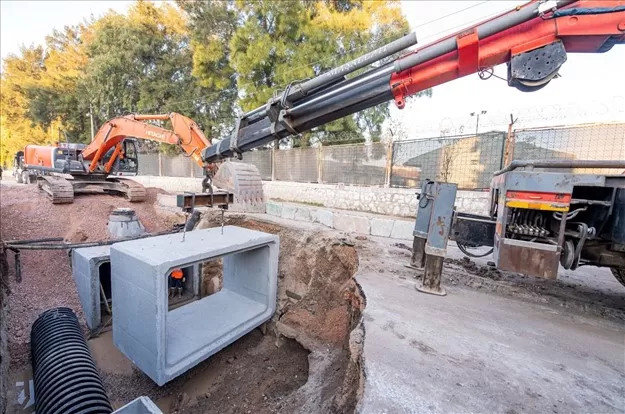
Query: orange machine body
(40, 155)
(185, 133)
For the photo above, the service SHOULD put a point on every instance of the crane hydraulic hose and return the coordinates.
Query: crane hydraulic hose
(66, 377)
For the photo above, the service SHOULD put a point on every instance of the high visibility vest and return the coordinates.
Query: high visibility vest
(177, 274)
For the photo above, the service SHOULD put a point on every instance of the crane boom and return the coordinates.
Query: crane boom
(532, 39)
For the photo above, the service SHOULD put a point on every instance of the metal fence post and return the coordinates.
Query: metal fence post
(507, 152)
(389, 165)
(160, 165)
(320, 164)
(273, 161)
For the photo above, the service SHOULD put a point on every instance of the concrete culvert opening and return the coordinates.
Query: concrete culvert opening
(209, 282)
(211, 279)
(187, 291)
(104, 274)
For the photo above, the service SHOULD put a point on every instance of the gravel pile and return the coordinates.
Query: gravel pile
(25, 213)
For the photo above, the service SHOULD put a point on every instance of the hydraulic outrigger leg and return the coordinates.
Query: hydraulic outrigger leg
(435, 212)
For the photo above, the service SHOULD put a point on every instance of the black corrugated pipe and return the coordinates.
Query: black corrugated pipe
(65, 375)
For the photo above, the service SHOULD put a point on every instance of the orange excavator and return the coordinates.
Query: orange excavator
(67, 169)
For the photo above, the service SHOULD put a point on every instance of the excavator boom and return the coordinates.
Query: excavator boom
(184, 133)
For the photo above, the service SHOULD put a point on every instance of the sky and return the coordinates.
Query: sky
(591, 88)
(28, 22)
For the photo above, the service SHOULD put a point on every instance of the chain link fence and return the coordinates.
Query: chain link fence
(298, 164)
(587, 142)
(261, 159)
(149, 164)
(467, 160)
(354, 164)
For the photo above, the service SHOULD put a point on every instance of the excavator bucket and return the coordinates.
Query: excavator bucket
(242, 180)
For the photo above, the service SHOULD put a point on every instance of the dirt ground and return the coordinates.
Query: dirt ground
(251, 374)
(511, 345)
(46, 275)
(304, 360)
(588, 290)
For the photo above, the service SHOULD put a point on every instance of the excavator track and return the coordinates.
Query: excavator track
(133, 191)
(58, 189)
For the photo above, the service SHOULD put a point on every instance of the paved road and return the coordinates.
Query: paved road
(478, 352)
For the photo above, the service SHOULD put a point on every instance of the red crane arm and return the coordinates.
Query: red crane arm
(578, 33)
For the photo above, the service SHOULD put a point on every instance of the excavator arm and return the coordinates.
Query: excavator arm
(184, 133)
(532, 39)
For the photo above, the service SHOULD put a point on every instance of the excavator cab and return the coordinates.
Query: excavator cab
(18, 160)
(128, 164)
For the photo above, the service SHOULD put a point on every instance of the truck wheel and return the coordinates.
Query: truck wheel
(619, 274)
(19, 178)
(25, 178)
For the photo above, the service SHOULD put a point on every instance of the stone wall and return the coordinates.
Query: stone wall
(398, 202)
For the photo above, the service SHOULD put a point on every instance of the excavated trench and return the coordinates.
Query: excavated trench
(308, 358)
(319, 310)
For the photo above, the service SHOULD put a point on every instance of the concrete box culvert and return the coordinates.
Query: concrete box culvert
(164, 344)
(90, 268)
(141, 405)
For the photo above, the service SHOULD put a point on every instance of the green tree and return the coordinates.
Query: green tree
(143, 63)
(276, 43)
(16, 129)
(57, 95)
(211, 25)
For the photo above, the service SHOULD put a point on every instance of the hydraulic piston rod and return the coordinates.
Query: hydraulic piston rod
(301, 90)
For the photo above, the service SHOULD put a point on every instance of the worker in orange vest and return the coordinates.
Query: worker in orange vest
(176, 279)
